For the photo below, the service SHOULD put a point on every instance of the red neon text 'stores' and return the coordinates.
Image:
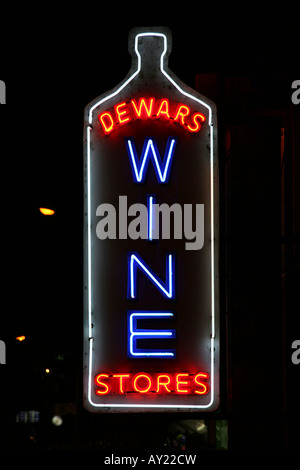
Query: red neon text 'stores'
(159, 383)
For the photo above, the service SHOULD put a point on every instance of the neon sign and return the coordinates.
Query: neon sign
(151, 299)
(153, 108)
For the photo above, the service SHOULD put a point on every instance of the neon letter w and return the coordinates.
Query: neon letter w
(150, 151)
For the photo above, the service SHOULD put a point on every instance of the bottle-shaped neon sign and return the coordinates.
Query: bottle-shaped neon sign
(151, 240)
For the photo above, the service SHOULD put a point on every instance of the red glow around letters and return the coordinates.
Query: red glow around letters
(197, 125)
(144, 385)
(163, 380)
(199, 381)
(163, 109)
(182, 112)
(143, 109)
(107, 122)
(104, 388)
(122, 113)
(182, 383)
(121, 378)
(153, 108)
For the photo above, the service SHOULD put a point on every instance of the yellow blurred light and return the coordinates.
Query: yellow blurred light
(47, 371)
(46, 211)
(20, 338)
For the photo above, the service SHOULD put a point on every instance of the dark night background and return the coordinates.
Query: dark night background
(53, 66)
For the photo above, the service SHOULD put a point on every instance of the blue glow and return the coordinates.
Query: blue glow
(135, 334)
(151, 221)
(167, 288)
(150, 151)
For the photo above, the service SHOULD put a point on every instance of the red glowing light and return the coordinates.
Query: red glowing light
(182, 112)
(164, 108)
(196, 117)
(121, 381)
(145, 108)
(106, 388)
(142, 388)
(107, 122)
(204, 386)
(163, 380)
(122, 112)
(182, 383)
(142, 105)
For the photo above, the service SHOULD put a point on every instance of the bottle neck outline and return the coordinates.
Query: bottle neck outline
(138, 59)
(163, 70)
(160, 61)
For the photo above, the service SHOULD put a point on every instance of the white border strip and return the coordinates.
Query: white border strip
(91, 339)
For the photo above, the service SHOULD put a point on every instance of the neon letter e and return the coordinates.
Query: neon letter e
(135, 334)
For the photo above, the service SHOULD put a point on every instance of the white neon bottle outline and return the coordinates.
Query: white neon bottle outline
(89, 128)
